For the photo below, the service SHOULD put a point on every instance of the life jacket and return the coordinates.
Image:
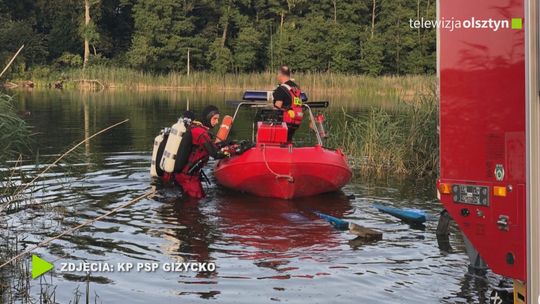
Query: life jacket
(294, 113)
(199, 156)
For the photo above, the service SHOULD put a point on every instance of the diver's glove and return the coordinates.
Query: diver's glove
(224, 152)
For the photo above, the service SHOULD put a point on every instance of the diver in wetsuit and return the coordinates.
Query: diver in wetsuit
(196, 148)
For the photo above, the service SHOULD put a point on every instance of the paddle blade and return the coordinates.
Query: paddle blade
(336, 222)
(409, 215)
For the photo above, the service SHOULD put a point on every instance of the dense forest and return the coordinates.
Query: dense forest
(347, 36)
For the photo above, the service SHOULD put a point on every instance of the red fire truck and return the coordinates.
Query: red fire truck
(489, 132)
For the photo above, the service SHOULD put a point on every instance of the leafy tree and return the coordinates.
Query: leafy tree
(69, 60)
(346, 54)
(88, 30)
(371, 61)
(220, 57)
(283, 45)
(161, 37)
(348, 36)
(114, 22)
(59, 22)
(246, 49)
(13, 34)
(312, 46)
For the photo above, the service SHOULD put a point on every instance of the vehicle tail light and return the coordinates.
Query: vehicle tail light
(499, 191)
(445, 188)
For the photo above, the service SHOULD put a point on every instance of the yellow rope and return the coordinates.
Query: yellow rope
(288, 177)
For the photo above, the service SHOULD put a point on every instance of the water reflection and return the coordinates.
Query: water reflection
(266, 250)
(267, 228)
(258, 228)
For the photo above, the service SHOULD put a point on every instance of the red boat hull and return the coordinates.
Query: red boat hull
(284, 171)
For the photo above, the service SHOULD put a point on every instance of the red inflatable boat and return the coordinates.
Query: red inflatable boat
(275, 168)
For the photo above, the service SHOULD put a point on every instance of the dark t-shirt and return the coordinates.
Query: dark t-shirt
(281, 93)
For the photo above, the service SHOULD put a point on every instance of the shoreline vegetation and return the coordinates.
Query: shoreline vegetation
(401, 139)
(102, 77)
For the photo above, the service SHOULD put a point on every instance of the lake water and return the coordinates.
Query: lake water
(265, 250)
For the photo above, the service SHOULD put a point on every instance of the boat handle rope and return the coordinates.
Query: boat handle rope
(86, 223)
(289, 178)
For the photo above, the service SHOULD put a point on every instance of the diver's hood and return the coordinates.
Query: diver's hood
(206, 115)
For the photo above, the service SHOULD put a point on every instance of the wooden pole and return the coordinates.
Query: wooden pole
(335, 11)
(188, 61)
(373, 18)
(86, 23)
(271, 50)
(11, 61)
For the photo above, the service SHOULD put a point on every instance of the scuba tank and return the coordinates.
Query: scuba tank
(223, 132)
(157, 152)
(170, 154)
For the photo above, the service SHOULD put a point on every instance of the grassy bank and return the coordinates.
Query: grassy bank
(400, 141)
(125, 78)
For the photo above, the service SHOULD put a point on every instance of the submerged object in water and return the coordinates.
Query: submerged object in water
(366, 234)
(415, 216)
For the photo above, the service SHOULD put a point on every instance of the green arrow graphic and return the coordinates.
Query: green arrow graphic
(40, 266)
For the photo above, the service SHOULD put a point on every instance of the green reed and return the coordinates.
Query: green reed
(362, 87)
(15, 279)
(14, 133)
(398, 141)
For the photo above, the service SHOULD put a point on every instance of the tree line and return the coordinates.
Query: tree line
(346, 36)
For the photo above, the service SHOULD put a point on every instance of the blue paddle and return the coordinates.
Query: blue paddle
(415, 216)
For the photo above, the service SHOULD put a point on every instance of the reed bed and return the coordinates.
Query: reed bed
(16, 140)
(362, 86)
(16, 221)
(14, 133)
(401, 141)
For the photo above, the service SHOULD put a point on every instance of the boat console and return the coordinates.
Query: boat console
(271, 133)
(270, 119)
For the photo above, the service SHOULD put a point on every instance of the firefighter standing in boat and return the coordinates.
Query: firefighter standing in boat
(195, 150)
(287, 98)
